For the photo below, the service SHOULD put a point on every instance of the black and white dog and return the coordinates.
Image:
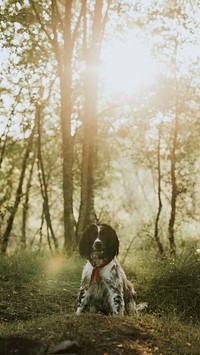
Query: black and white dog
(104, 286)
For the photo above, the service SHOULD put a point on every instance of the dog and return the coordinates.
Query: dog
(104, 286)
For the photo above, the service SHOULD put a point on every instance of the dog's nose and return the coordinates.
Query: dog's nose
(97, 244)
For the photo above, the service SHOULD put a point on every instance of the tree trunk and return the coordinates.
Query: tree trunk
(67, 156)
(6, 235)
(42, 178)
(25, 207)
(174, 192)
(65, 72)
(89, 156)
(156, 231)
(172, 244)
(90, 122)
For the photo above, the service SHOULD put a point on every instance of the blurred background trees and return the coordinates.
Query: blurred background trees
(99, 121)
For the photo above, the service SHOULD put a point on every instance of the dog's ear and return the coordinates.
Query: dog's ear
(112, 247)
(86, 241)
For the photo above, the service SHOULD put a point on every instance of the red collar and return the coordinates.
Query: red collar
(95, 271)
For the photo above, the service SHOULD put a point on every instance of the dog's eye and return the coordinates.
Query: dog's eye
(103, 237)
(93, 236)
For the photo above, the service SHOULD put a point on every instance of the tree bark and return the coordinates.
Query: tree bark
(42, 178)
(90, 123)
(65, 72)
(156, 231)
(173, 158)
(172, 244)
(6, 235)
(25, 207)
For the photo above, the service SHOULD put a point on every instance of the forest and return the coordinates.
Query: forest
(99, 98)
(99, 122)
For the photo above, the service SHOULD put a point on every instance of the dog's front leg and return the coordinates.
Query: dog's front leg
(83, 300)
(117, 302)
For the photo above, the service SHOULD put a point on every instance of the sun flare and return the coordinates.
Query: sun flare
(127, 66)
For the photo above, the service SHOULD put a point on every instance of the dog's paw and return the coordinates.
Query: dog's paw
(141, 306)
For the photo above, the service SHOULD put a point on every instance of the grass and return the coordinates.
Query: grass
(168, 287)
(38, 301)
(174, 287)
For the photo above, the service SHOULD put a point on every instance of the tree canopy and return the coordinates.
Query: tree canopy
(99, 121)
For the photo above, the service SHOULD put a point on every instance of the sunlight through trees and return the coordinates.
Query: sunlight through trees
(116, 84)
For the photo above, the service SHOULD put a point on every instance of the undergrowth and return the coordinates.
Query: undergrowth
(39, 295)
(29, 266)
(169, 287)
(175, 287)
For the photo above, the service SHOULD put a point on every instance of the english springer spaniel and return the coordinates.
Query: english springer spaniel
(104, 286)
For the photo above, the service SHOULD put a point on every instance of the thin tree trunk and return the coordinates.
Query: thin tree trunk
(156, 231)
(6, 235)
(40, 230)
(174, 192)
(4, 135)
(128, 250)
(172, 244)
(25, 207)
(42, 178)
(65, 73)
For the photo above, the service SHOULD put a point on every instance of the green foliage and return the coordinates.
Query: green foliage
(21, 267)
(126, 179)
(174, 287)
(27, 266)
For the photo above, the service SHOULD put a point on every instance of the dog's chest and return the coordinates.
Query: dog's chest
(104, 273)
(101, 278)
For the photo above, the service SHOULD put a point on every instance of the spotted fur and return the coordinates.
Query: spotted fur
(112, 294)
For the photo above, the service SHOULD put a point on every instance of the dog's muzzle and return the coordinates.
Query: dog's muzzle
(97, 246)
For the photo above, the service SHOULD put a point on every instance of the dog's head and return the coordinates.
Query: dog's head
(101, 240)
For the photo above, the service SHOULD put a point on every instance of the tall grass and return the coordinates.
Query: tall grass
(23, 266)
(27, 266)
(173, 287)
(169, 288)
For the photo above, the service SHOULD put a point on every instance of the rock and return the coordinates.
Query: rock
(65, 347)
